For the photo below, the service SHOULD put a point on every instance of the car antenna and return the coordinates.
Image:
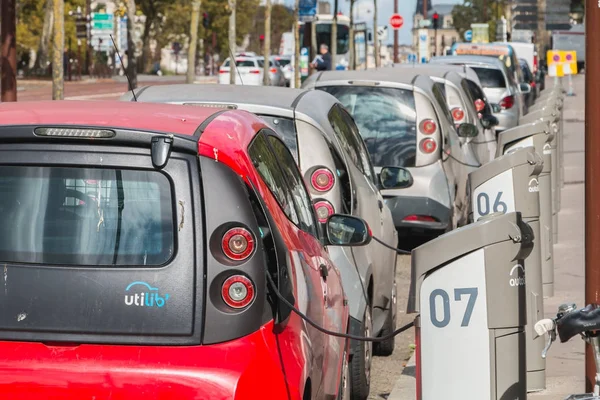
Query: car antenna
(124, 70)
(235, 64)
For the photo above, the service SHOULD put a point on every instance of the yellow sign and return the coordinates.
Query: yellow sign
(569, 59)
(480, 33)
(555, 63)
(475, 50)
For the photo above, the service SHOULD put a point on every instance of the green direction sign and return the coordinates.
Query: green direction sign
(103, 25)
(103, 17)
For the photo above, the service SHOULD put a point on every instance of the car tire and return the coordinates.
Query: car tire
(386, 348)
(344, 389)
(360, 365)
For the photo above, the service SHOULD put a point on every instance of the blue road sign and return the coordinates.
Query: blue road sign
(307, 8)
(468, 35)
(304, 51)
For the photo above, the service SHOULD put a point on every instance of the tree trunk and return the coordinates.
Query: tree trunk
(8, 33)
(351, 51)
(193, 45)
(41, 59)
(375, 38)
(334, 35)
(297, 82)
(267, 44)
(145, 59)
(58, 49)
(131, 62)
(232, 42)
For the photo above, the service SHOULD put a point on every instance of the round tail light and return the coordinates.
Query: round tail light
(458, 114)
(322, 180)
(427, 126)
(238, 244)
(479, 105)
(238, 291)
(324, 210)
(428, 146)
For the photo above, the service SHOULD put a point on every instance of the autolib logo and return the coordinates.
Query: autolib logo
(142, 294)
(519, 280)
(534, 185)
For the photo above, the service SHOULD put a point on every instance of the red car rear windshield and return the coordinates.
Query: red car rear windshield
(85, 216)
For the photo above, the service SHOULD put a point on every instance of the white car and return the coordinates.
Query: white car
(248, 71)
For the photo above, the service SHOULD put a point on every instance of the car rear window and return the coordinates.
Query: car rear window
(85, 216)
(261, 63)
(284, 61)
(241, 63)
(490, 78)
(286, 129)
(386, 118)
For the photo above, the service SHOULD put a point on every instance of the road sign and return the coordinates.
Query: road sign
(360, 26)
(480, 33)
(307, 8)
(468, 35)
(423, 45)
(382, 33)
(396, 21)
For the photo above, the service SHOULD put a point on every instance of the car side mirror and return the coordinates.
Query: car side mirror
(496, 108)
(489, 121)
(346, 230)
(395, 178)
(525, 88)
(467, 130)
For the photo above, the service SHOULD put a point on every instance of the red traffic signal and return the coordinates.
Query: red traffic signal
(436, 16)
(262, 37)
(436, 20)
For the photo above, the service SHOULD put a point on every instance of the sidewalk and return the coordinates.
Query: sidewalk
(565, 363)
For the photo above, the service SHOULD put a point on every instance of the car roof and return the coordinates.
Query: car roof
(442, 70)
(271, 96)
(136, 116)
(479, 60)
(381, 74)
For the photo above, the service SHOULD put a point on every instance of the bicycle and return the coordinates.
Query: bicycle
(568, 323)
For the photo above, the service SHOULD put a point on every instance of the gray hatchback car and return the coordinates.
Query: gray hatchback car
(339, 175)
(405, 122)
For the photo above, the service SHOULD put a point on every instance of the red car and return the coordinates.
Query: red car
(143, 247)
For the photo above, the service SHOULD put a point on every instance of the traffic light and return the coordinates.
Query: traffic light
(436, 20)
(205, 21)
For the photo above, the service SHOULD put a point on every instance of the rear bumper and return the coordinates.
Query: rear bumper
(403, 206)
(507, 120)
(247, 368)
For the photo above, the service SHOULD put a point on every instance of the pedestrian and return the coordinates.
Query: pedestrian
(322, 62)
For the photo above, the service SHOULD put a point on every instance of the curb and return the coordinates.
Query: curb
(405, 387)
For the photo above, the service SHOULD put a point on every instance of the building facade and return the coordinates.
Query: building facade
(427, 41)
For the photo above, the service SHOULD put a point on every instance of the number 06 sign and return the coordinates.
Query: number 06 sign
(495, 195)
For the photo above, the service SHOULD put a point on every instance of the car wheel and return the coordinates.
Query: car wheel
(386, 348)
(344, 390)
(360, 366)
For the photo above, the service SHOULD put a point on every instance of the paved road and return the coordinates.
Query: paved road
(95, 89)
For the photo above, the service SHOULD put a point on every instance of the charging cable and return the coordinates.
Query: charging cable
(332, 333)
(399, 251)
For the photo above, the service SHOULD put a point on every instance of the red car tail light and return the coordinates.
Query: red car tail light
(428, 146)
(532, 84)
(420, 218)
(507, 102)
(273, 70)
(238, 291)
(458, 114)
(255, 71)
(324, 210)
(427, 126)
(479, 105)
(237, 244)
(222, 71)
(535, 63)
(322, 180)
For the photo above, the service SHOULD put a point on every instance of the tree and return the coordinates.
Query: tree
(191, 69)
(267, 49)
(131, 62)
(472, 12)
(154, 11)
(58, 46)
(232, 40)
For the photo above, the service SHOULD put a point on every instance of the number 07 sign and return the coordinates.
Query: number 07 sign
(495, 195)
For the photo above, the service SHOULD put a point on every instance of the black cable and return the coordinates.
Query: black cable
(331, 333)
(399, 251)
(459, 161)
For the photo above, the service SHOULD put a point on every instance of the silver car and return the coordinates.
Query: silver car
(461, 104)
(339, 175)
(498, 84)
(405, 122)
(276, 77)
